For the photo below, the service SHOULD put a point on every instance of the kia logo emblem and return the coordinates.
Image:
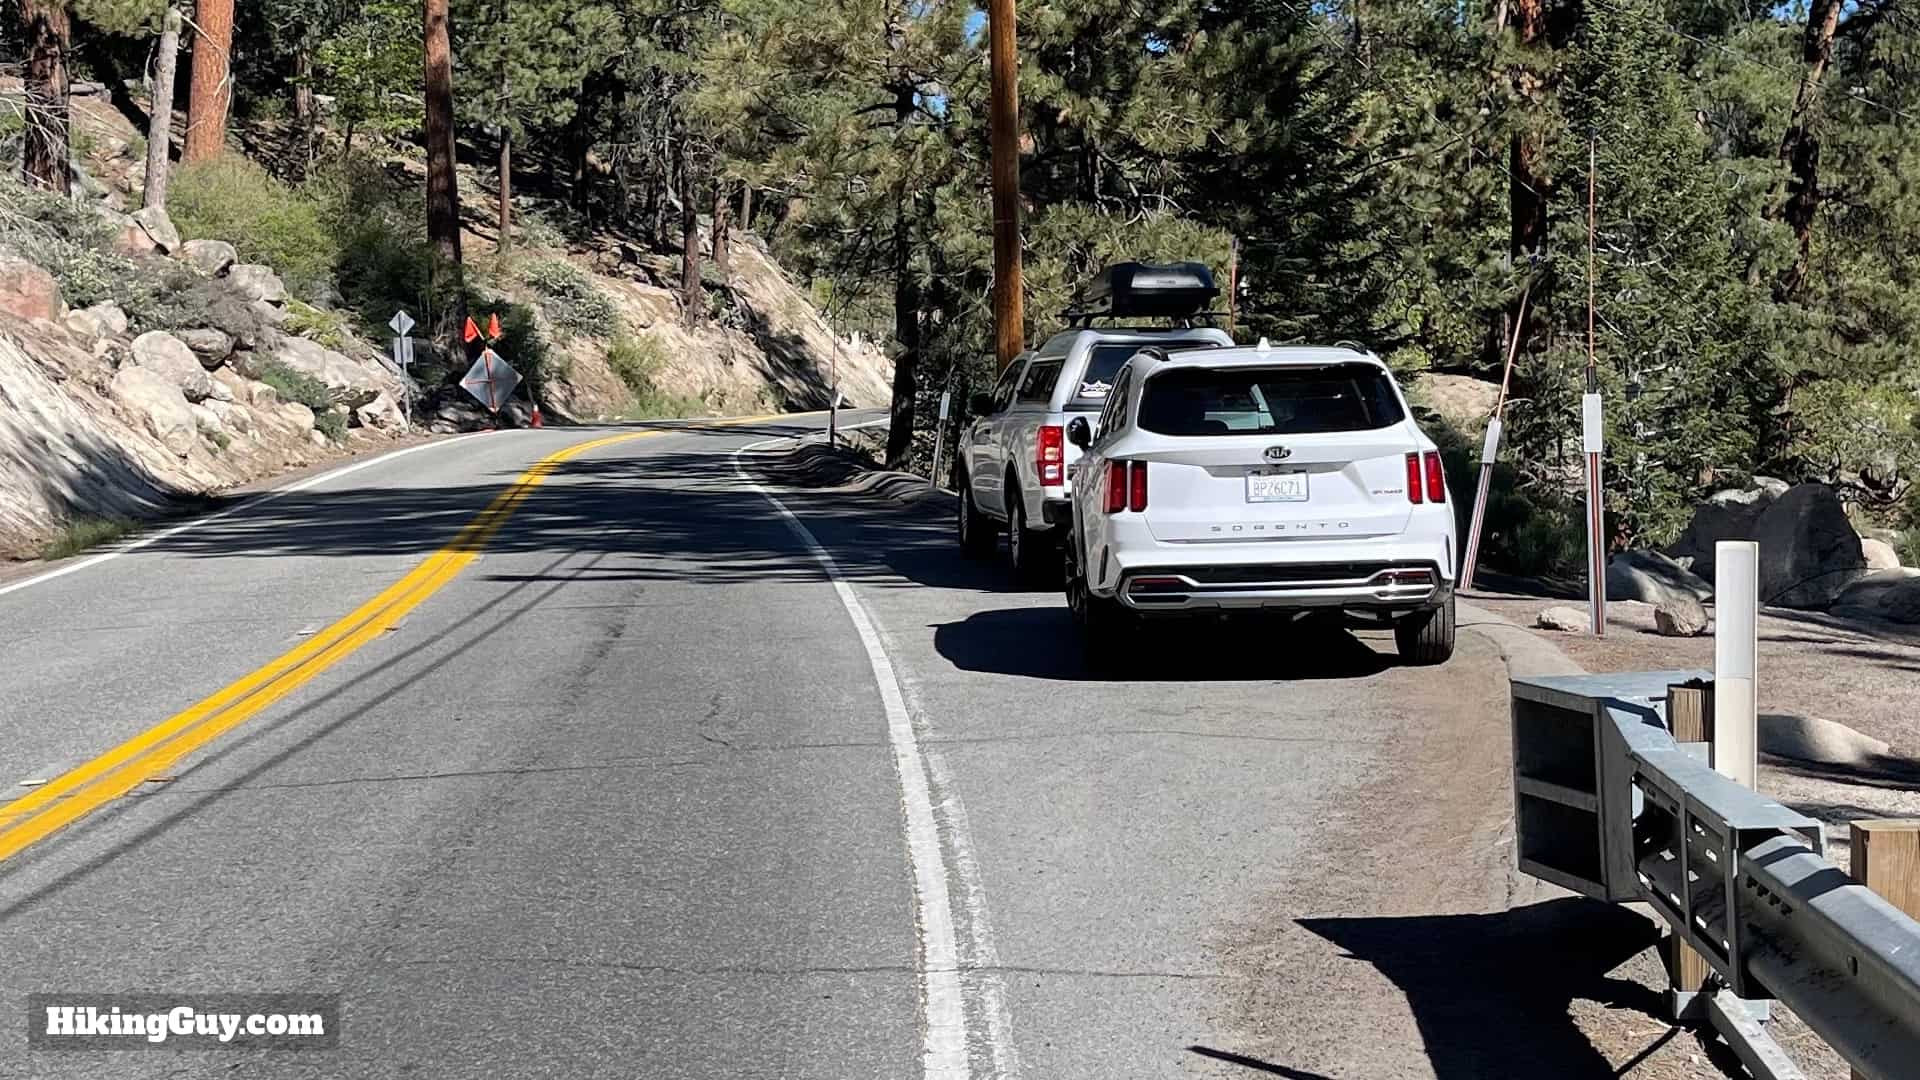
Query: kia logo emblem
(1278, 453)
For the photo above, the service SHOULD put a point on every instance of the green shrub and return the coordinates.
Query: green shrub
(297, 386)
(635, 360)
(230, 198)
(87, 533)
(307, 321)
(573, 303)
(331, 424)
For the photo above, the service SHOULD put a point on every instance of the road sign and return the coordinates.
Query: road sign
(491, 381)
(946, 404)
(402, 323)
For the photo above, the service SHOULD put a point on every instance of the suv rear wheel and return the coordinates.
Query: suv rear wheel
(1108, 631)
(1426, 637)
(975, 532)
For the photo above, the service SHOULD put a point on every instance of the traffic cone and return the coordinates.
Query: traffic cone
(537, 420)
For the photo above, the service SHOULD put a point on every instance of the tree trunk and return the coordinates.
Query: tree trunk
(443, 187)
(746, 207)
(306, 113)
(689, 242)
(1528, 187)
(211, 89)
(722, 206)
(506, 143)
(1796, 195)
(160, 113)
(906, 331)
(46, 162)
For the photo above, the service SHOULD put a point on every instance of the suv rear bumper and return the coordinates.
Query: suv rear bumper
(1397, 586)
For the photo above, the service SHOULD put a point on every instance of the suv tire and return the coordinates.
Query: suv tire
(1426, 638)
(974, 531)
(1107, 628)
(1035, 555)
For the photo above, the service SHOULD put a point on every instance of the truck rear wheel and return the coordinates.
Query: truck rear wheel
(974, 531)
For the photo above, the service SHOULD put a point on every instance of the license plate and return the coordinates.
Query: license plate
(1274, 485)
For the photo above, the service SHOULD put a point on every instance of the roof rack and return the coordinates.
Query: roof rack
(1131, 290)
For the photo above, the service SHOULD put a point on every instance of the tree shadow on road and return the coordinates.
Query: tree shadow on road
(1491, 992)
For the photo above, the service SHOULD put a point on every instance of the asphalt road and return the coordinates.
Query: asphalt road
(631, 796)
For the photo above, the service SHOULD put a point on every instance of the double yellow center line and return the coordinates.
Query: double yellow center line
(152, 753)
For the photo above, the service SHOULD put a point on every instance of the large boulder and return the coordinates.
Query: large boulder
(381, 413)
(348, 383)
(210, 345)
(257, 282)
(1567, 620)
(157, 404)
(233, 416)
(1809, 552)
(1893, 595)
(159, 228)
(168, 356)
(1653, 578)
(27, 291)
(1726, 515)
(211, 257)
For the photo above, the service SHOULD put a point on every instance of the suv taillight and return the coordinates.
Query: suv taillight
(1413, 478)
(1049, 454)
(1126, 486)
(1116, 486)
(1436, 479)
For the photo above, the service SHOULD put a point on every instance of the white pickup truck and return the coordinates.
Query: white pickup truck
(1011, 466)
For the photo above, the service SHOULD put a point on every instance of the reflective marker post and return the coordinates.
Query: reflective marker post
(1590, 437)
(1489, 450)
(939, 436)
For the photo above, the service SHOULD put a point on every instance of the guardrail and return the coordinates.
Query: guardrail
(1608, 804)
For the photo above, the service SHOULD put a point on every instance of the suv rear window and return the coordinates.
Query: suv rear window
(1269, 401)
(1104, 362)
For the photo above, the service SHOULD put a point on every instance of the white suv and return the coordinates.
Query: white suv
(1283, 480)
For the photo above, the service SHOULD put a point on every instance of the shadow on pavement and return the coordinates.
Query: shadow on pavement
(1255, 1064)
(1044, 643)
(1491, 992)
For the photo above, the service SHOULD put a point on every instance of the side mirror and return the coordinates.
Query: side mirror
(1079, 432)
(980, 404)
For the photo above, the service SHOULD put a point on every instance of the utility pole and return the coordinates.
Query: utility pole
(1009, 305)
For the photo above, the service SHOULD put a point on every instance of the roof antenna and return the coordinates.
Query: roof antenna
(1263, 346)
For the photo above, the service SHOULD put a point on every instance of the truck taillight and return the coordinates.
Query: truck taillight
(1116, 486)
(1413, 478)
(1436, 479)
(1137, 488)
(1049, 454)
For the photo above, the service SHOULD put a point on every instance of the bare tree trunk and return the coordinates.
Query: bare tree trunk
(443, 186)
(46, 162)
(306, 113)
(1528, 186)
(1796, 194)
(160, 113)
(211, 89)
(689, 241)
(906, 331)
(722, 206)
(506, 144)
(746, 206)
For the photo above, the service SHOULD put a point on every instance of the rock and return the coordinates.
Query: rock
(297, 415)
(319, 439)
(1893, 595)
(1653, 578)
(273, 315)
(158, 404)
(86, 326)
(383, 413)
(206, 419)
(1463, 401)
(1879, 554)
(133, 241)
(1724, 516)
(28, 291)
(1571, 620)
(349, 383)
(169, 357)
(256, 282)
(1680, 616)
(210, 345)
(1809, 552)
(1807, 738)
(159, 228)
(233, 416)
(211, 257)
(111, 318)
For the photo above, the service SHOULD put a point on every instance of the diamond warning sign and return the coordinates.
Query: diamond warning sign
(491, 380)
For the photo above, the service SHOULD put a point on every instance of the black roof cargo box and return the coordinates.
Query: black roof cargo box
(1132, 290)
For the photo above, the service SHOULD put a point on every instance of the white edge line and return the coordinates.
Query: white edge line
(945, 1056)
(198, 522)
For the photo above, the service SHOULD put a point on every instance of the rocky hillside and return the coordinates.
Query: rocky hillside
(138, 364)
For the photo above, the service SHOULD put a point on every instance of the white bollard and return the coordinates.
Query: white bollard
(1736, 645)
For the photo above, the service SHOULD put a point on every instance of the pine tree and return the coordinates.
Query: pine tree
(48, 36)
(211, 93)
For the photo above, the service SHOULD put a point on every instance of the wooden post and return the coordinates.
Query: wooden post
(1003, 124)
(1690, 715)
(1886, 859)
